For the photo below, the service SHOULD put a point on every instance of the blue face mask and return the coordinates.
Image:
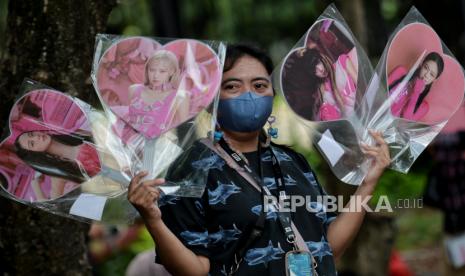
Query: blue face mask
(245, 113)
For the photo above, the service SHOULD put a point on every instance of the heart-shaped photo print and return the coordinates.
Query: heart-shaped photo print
(49, 151)
(425, 84)
(319, 78)
(154, 87)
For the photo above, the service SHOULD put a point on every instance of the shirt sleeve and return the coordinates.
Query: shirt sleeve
(312, 178)
(185, 217)
(330, 215)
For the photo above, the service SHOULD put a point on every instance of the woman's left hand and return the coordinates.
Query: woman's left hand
(380, 156)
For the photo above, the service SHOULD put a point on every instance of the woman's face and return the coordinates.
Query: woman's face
(159, 72)
(320, 70)
(247, 74)
(35, 141)
(428, 72)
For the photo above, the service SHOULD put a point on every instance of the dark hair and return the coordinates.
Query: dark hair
(433, 56)
(299, 75)
(53, 165)
(235, 51)
(30, 108)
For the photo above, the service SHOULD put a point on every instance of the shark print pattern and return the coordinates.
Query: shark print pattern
(311, 178)
(224, 236)
(212, 162)
(213, 224)
(281, 156)
(167, 200)
(199, 207)
(271, 214)
(270, 182)
(318, 209)
(289, 181)
(222, 193)
(195, 238)
(263, 255)
(319, 249)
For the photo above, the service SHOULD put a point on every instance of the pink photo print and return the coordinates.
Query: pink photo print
(49, 151)
(153, 87)
(319, 78)
(425, 84)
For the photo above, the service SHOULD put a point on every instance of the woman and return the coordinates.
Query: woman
(206, 235)
(410, 102)
(155, 104)
(64, 157)
(332, 85)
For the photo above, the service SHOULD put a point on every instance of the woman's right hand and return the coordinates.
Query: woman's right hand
(144, 195)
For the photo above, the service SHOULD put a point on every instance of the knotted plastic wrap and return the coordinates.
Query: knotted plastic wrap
(328, 81)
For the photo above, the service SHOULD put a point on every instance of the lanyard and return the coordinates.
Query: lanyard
(284, 217)
(232, 158)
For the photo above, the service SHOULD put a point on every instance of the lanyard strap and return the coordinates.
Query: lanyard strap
(231, 161)
(284, 217)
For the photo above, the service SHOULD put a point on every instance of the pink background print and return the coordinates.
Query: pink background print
(123, 65)
(46, 111)
(446, 93)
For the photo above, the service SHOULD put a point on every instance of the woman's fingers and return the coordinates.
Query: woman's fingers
(155, 182)
(144, 192)
(380, 157)
(378, 136)
(379, 152)
(148, 185)
(136, 180)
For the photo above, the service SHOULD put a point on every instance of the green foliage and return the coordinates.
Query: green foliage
(390, 9)
(116, 265)
(118, 262)
(263, 22)
(419, 228)
(132, 17)
(400, 186)
(143, 242)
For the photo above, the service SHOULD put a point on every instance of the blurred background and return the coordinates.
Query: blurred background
(409, 241)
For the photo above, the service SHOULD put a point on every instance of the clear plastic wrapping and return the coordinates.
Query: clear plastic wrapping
(156, 91)
(323, 79)
(417, 86)
(159, 97)
(404, 98)
(58, 156)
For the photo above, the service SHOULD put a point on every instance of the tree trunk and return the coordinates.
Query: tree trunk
(51, 41)
(370, 252)
(166, 15)
(354, 14)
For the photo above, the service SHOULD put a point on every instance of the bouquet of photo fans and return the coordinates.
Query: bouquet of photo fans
(159, 97)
